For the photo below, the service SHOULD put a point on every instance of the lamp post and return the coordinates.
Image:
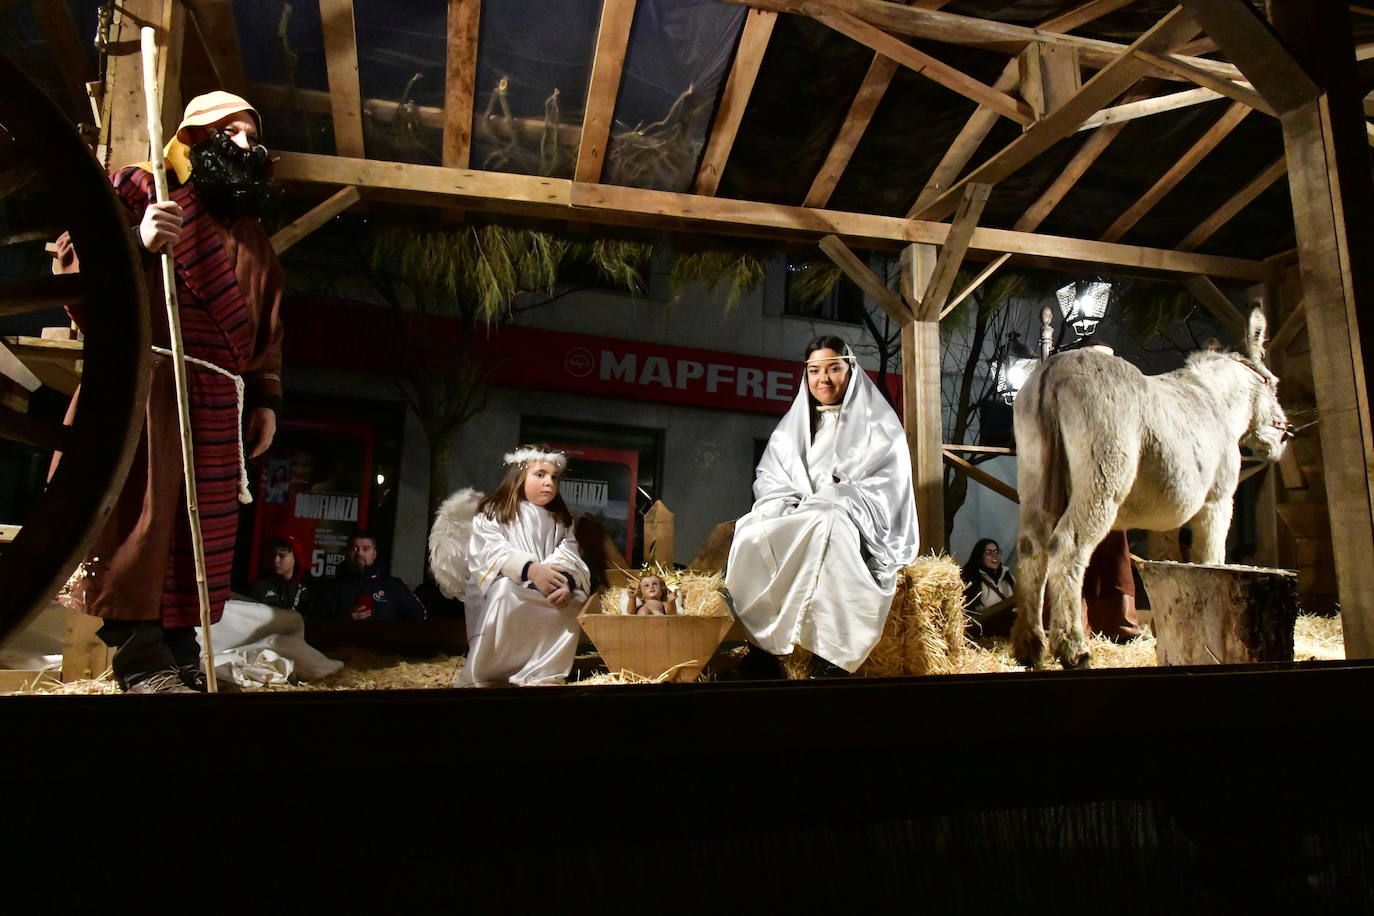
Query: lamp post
(1083, 304)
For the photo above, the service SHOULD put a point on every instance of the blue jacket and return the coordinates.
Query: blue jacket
(370, 595)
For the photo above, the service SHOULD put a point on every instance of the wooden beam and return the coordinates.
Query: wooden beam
(1069, 20)
(1176, 172)
(939, 71)
(855, 269)
(1257, 52)
(1216, 302)
(1237, 202)
(460, 80)
(303, 225)
(1143, 108)
(978, 449)
(973, 286)
(921, 413)
(1240, 92)
(1076, 167)
(612, 38)
(974, 472)
(1291, 327)
(1106, 85)
(976, 129)
(871, 91)
(217, 30)
(341, 64)
(64, 41)
(563, 199)
(953, 251)
(1050, 76)
(990, 34)
(13, 368)
(753, 42)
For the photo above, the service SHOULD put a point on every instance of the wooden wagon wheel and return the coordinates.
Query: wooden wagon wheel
(50, 181)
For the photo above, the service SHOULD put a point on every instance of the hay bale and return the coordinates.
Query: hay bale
(924, 633)
(796, 666)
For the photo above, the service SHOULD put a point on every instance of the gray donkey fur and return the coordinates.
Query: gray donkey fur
(1103, 447)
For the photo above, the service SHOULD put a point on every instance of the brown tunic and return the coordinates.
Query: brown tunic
(229, 286)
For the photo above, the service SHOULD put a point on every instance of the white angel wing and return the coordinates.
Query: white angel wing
(448, 542)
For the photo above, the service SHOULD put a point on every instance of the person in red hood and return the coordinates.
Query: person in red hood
(286, 583)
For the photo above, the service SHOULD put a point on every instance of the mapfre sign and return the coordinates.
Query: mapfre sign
(612, 367)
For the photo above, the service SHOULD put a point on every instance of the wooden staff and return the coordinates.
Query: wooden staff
(152, 94)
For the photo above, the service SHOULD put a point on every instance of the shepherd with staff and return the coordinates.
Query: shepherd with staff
(142, 576)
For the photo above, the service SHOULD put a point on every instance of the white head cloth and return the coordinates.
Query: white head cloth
(871, 460)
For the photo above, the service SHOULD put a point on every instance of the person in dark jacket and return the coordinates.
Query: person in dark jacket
(286, 583)
(987, 587)
(360, 589)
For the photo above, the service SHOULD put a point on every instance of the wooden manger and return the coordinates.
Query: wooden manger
(1214, 615)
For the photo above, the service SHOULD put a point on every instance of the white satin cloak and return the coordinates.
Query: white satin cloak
(815, 563)
(515, 637)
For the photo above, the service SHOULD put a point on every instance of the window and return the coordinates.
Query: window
(844, 303)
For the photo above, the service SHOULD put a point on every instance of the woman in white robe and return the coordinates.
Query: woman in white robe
(815, 563)
(526, 581)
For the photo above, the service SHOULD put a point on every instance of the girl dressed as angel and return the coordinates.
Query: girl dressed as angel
(525, 581)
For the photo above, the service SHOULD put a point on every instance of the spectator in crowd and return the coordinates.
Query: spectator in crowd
(989, 587)
(287, 583)
(361, 590)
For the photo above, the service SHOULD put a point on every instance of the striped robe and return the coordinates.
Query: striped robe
(229, 286)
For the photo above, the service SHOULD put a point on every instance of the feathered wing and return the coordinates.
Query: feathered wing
(448, 542)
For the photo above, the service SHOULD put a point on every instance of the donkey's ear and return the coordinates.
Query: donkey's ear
(1254, 343)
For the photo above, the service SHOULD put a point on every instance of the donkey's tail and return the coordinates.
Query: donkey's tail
(1055, 492)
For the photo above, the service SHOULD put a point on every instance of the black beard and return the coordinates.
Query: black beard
(232, 181)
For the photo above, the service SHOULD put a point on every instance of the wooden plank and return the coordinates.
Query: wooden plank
(979, 449)
(871, 91)
(1215, 301)
(1178, 171)
(83, 653)
(127, 141)
(991, 34)
(939, 71)
(13, 368)
(855, 269)
(753, 42)
(973, 285)
(922, 416)
(59, 29)
(563, 199)
(1237, 202)
(1071, 19)
(307, 223)
(1129, 111)
(19, 296)
(658, 535)
(612, 37)
(1249, 42)
(974, 472)
(1076, 167)
(341, 64)
(460, 80)
(1106, 85)
(1241, 92)
(34, 431)
(218, 32)
(24, 681)
(953, 251)
(1049, 77)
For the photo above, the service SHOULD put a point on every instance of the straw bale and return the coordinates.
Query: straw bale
(1318, 638)
(924, 632)
(698, 593)
(796, 666)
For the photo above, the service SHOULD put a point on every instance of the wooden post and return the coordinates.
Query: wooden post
(658, 535)
(124, 112)
(922, 414)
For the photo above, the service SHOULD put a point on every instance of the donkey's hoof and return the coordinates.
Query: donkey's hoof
(1081, 663)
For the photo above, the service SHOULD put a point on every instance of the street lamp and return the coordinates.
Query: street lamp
(1083, 304)
(1014, 365)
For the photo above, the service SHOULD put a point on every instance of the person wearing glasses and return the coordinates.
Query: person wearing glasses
(988, 587)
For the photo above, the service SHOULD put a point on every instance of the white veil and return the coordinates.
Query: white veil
(871, 461)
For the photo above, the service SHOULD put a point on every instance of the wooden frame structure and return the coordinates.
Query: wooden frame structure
(1055, 84)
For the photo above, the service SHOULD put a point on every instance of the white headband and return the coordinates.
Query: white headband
(825, 359)
(523, 455)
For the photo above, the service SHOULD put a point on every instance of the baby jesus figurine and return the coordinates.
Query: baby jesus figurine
(652, 598)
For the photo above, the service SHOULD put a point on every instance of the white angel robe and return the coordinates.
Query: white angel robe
(515, 636)
(815, 563)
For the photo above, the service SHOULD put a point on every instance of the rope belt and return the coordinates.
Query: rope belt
(244, 496)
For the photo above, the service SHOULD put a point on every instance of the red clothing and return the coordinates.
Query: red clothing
(229, 286)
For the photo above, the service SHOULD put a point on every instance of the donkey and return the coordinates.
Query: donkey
(1103, 447)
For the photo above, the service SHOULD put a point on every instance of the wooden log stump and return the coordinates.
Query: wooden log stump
(1213, 614)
